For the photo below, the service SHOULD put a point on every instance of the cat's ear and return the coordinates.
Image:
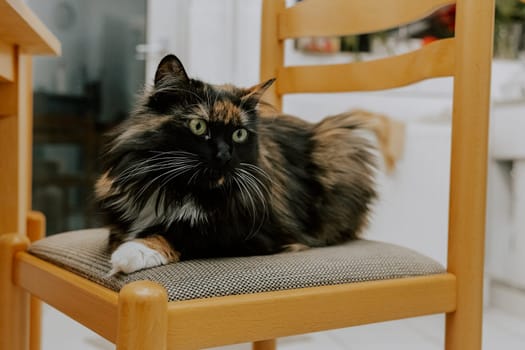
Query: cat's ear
(256, 91)
(170, 68)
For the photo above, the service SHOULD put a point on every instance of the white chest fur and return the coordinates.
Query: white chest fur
(188, 210)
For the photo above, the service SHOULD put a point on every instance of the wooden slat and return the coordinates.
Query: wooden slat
(468, 169)
(25, 148)
(433, 60)
(27, 134)
(10, 184)
(19, 26)
(344, 17)
(204, 323)
(9, 181)
(7, 62)
(272, 49)
(15, 121)
(87, 302)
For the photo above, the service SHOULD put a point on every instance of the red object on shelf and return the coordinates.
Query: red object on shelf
(428, 39)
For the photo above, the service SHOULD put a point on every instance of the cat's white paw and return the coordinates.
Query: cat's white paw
(133, 256)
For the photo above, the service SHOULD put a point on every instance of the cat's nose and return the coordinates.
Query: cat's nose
(223, 155)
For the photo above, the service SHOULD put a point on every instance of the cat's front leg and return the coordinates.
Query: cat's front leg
(142, 253)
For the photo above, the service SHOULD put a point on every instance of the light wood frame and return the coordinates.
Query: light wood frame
(140, 317)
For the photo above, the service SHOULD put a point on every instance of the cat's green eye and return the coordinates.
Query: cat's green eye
(198, 126)
(240, 135)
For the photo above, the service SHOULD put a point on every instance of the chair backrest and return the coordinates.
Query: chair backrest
(466, 57)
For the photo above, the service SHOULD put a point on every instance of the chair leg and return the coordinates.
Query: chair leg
(265, 345)
(463, 329)
(36, 229)
(142, 317)
(14, 301)
(35, 324)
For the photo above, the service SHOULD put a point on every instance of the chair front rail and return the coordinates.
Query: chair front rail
(89, 303)
(203, 323)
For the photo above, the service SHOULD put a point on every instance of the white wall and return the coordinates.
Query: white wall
(217, 41)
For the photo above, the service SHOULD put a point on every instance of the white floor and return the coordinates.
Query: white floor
(501, 331)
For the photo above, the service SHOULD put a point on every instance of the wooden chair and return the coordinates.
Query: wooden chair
(22, 35)
(140, 317)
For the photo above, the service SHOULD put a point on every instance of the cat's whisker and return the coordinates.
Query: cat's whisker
(215, 100)
(194, 176)
(175, 153)
(140, 171)
(255, 182)
(173, 177)
(208, 98)
(172, 174)
(250, 186)
(259, 187)
(203, 110)
(255, 228)
(146, 166)
(239, 187)
(168, 159)
(168, 156)
(258, 170)
(248, 201)
(247, 173)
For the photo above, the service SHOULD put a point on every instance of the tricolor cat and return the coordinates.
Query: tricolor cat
(198, 170)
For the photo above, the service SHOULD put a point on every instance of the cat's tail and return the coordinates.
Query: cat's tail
(389, 133)
(345, 140)
(355, 119)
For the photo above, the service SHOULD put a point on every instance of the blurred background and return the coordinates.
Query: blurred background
(110, 52)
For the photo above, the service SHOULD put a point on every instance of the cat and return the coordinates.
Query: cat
(200, 170)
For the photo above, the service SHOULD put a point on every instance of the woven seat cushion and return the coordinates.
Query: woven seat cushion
(85, 253)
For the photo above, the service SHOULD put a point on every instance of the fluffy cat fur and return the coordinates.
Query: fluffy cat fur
(199, 171)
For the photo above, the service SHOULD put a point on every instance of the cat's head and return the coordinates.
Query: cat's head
(188, 133)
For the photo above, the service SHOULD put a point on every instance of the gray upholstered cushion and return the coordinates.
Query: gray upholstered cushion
(85, 253)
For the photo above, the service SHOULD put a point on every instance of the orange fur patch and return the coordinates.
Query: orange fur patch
(103, 185)
(295, 247)
(162, 246)
(226, 112)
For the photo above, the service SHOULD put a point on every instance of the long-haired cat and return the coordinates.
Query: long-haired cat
(199, 171)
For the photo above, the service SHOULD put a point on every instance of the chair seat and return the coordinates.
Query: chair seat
(85, 253)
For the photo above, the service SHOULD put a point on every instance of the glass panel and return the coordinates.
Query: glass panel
(80, 96)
